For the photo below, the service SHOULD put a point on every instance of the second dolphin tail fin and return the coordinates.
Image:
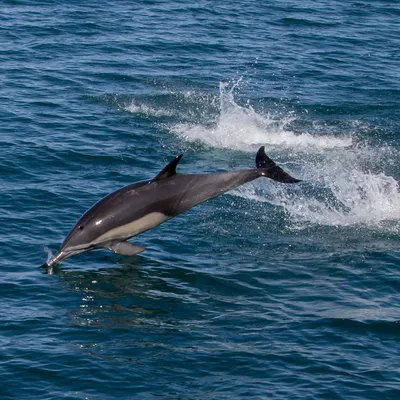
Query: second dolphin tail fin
(269, 169)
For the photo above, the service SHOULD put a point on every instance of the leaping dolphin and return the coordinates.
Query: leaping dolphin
(143, 205)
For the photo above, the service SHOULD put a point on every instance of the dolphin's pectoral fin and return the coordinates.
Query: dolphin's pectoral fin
(124, 248)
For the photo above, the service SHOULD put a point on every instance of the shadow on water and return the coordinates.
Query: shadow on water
(129, 295)
(132, 311)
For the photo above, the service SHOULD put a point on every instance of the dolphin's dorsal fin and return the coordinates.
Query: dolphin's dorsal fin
(169, 170)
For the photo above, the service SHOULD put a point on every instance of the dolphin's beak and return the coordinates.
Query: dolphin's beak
(61, 255)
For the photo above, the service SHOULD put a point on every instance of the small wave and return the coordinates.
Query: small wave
(148, 111)
(182, 106)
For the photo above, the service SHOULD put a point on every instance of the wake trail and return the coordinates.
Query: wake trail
(344, 180)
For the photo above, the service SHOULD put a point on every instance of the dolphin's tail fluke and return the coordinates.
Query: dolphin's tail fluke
(269, 169)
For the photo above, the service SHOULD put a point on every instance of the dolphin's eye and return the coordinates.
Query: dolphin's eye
(81, 227)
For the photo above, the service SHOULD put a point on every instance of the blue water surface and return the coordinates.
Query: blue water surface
(271, 291)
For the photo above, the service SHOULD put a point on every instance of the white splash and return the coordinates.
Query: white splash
(363, 199)
(243, 128)
(50, 254)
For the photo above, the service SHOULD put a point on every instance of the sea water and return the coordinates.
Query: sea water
(271, 291)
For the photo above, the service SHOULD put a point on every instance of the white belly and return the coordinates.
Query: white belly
(133, 228)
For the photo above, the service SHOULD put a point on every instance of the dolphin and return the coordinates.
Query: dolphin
(143, 205)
